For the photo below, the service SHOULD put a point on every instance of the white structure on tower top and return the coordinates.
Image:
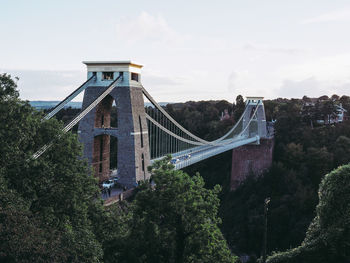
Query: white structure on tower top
(107, 71)
(254, 100)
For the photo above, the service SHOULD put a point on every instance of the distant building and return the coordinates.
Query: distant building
(341, 113)
(340, 116)
(225, 115)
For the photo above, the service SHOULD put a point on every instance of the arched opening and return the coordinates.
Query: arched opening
(103, 113)
(101, 157)
(114, 116)
(113, 166)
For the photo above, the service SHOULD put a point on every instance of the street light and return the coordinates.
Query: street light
(266, 208)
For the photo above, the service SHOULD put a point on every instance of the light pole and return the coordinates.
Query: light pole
(266, 208)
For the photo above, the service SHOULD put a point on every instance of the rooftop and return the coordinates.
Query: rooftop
(112, 63)
(254, 98)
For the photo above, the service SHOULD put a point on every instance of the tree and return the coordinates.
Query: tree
(239, 109)
(175, 220)
(56, 190)
(23, 235)
(328, 110)
(341, 150)
(345, 101)
(309, 114)
(328, 236)
(335, 97)
(8, 88)
(319, 161)
(294, 155)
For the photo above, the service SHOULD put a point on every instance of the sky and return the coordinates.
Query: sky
(190, 49)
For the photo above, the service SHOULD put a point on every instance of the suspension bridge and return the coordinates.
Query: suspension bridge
(144, 133)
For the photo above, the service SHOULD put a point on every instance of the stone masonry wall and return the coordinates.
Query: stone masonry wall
(100, 163)
(250, 159)
(133, 156)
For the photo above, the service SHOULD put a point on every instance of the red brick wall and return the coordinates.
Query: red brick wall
(96, 157)
(250, 159)
(103, 109)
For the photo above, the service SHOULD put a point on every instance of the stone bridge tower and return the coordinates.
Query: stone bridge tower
(258, 124)
(130, 129)
(252, 159)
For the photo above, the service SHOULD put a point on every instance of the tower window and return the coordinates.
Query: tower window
(107, 76)
(134, 76)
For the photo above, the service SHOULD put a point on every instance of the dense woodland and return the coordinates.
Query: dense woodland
(51, 208)
(304, 152)
(51, 211)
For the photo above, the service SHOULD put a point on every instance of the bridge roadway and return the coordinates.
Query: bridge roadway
(200, 153)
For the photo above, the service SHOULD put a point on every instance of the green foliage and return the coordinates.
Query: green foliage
(8, 87)
(23, 235)
(203, 117)
(303, 154)
(328, 236)
(174, 220)
(341, 150)
(55, 192)
(239, 109)
(50, 209)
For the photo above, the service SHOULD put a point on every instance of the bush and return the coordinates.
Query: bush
(328, 237)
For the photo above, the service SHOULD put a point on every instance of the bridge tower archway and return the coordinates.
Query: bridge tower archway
(95, 129)
(255, 113)
(101, 144)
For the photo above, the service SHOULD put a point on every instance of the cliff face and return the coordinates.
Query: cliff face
(250, 159)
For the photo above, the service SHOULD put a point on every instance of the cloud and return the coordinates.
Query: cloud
(314, 77)
(288, 51)
(240, 82)
(46, 85)
(297, 89)
(146, 28)
(232, 78)
(311, 87)
(154, 30)
(157, 79)
(328, 68)
(335, 16)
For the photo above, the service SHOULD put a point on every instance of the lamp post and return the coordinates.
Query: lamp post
(266, 208)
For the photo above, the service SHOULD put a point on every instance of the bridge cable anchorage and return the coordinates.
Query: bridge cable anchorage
(79, 117)
(70, 97)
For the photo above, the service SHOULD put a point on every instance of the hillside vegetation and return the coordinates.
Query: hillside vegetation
(51, 211)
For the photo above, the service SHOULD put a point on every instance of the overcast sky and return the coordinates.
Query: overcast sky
(191, 50)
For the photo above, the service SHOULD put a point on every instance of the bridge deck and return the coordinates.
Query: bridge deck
(201, 153)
